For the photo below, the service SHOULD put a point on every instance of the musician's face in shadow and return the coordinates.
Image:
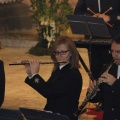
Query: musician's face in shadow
(115, 51)
(62, 54)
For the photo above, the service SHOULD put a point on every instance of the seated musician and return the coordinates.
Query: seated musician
(2, 82)
(108, 91)
(63, 88)
(110, 12)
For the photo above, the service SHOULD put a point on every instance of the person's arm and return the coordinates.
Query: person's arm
(116, 85)
(80, 7)
(32, 68)
(2, 82)
(97, 95)
(59, 87)
(114, 13)
(115, 17)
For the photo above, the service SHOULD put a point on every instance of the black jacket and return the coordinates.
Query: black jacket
(2, 82)
(110, 96)
(62, 90)
(82, 5)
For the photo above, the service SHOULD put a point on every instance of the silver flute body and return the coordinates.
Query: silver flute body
(91, 94)
(25, 63)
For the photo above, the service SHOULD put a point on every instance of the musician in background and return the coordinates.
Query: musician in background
(109, 90)
(63, 88)
(2, 82)
(110, 12)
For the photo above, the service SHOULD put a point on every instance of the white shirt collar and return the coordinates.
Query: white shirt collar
(118, 72)
(61, 66)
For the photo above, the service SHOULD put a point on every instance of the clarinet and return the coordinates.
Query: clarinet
(90, 94)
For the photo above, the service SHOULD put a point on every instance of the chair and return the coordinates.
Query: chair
(8, 114)
(31, 114)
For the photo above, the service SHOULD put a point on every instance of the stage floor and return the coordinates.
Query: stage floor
(17, 93)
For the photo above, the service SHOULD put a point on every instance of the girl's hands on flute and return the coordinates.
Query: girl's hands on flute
(32, 68)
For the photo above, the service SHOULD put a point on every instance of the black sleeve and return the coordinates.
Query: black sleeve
(80, 7)
(62, 85)
(115, 14)
(2, 82)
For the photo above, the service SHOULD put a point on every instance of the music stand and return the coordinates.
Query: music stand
(31, 114)
(8, 114)
(87, 25)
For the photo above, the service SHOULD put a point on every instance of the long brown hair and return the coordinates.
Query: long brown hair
(74, 59)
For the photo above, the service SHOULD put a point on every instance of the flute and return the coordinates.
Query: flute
(25, 63)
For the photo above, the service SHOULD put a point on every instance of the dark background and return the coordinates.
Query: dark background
(15, 16)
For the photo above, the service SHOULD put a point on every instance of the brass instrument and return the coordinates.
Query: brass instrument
(25, 63)
(90, 94)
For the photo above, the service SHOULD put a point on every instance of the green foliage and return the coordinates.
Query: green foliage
(54, 10)
(50, 17)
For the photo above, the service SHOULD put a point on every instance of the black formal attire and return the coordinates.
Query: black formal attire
(99, 53)
(110, 97)
(2, 82)
(62, 90)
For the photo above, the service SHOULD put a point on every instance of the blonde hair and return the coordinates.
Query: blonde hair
(74, 59)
